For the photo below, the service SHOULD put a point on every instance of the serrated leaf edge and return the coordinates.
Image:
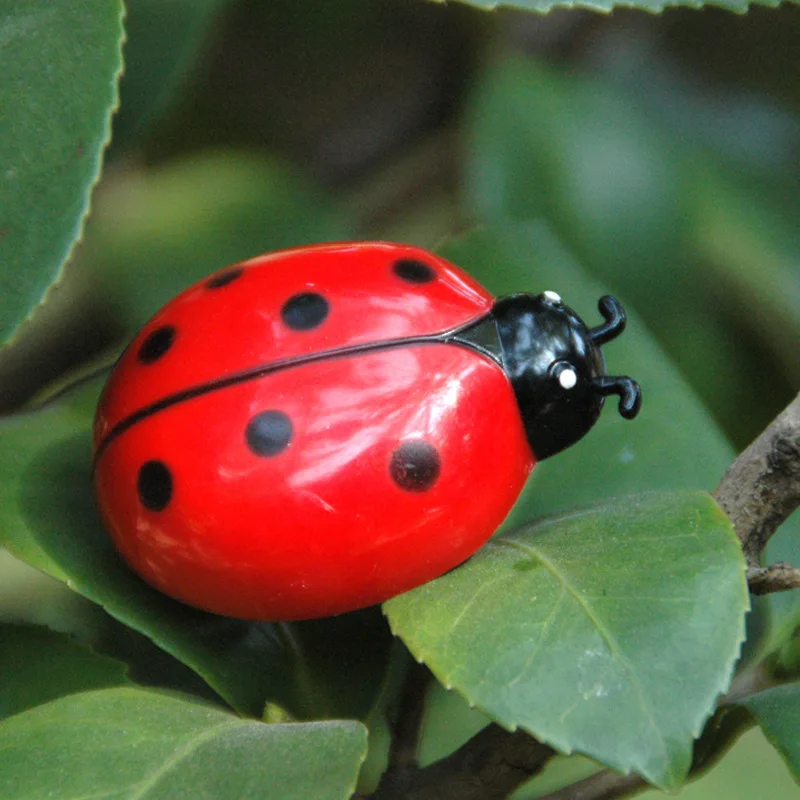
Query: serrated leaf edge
(30, 318)
(715, 692)
(609, 8)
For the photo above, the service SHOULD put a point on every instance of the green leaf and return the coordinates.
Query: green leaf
(672, 444)
(60, 63)
(609, 631)
(28, 596)
(146, 745)
(39, 665)
(751, 770)
(777, 711)
(162, 46)
(752, 247)
(48, 519)
(784, 638)
(543, 6)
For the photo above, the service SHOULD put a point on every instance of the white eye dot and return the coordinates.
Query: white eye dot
(553, 297)
(567, 378)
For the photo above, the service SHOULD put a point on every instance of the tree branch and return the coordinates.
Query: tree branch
(603, 785)
(778, 577)
(490, 766)
(760, 490)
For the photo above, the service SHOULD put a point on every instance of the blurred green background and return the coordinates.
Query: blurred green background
(663, 151)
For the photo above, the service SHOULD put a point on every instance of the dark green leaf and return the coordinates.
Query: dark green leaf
(752, 248)
(39, 665)
(146, 745)
(609, 631)
(48, 519)
(59, 64)
(777, 711)
(162, 45)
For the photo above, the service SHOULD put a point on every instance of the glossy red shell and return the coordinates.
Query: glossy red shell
(321, 527)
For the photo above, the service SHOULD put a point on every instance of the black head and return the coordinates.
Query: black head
(556, 367)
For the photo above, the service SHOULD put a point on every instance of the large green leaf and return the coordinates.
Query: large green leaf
(59, 64)
(39, 665)
(673, 444)
(778, 713)
(145, 745)
(543, 6)
(48, 519)
(609, 631)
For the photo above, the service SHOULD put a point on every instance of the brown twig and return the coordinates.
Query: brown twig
(490, 766)
(603, 785)
(778, 577)
(760, 490)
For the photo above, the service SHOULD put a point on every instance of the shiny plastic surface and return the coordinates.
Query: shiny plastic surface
(221, 326)
(556, 366)
(340, 516)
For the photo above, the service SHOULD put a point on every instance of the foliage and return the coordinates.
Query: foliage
(608, 615)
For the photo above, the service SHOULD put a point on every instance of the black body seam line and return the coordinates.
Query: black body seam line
(450, 337)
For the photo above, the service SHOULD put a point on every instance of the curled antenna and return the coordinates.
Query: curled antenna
(630, 393)
(615, 319)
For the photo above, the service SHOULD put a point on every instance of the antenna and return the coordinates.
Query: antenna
(630, 393)
(615, 319)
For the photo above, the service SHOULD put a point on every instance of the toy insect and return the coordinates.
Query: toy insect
(317, 430)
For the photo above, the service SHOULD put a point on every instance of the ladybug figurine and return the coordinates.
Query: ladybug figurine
(317, 430)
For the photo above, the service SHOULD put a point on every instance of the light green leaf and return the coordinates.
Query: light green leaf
(777, 711)
(59, 64)
(130, 744)
(609, 631)
(39, 665)
(673, 444)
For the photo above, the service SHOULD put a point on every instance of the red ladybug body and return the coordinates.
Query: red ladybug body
(314, 431)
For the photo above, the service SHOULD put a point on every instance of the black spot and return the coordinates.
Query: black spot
(413, 271)
(305, 311)
(224, 278)
(268, 433)
(157, 343)
(415, 466)
(154, 485)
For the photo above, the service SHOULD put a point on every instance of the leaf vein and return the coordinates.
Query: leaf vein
(178, 755)
(606, 634)
(536, 650)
